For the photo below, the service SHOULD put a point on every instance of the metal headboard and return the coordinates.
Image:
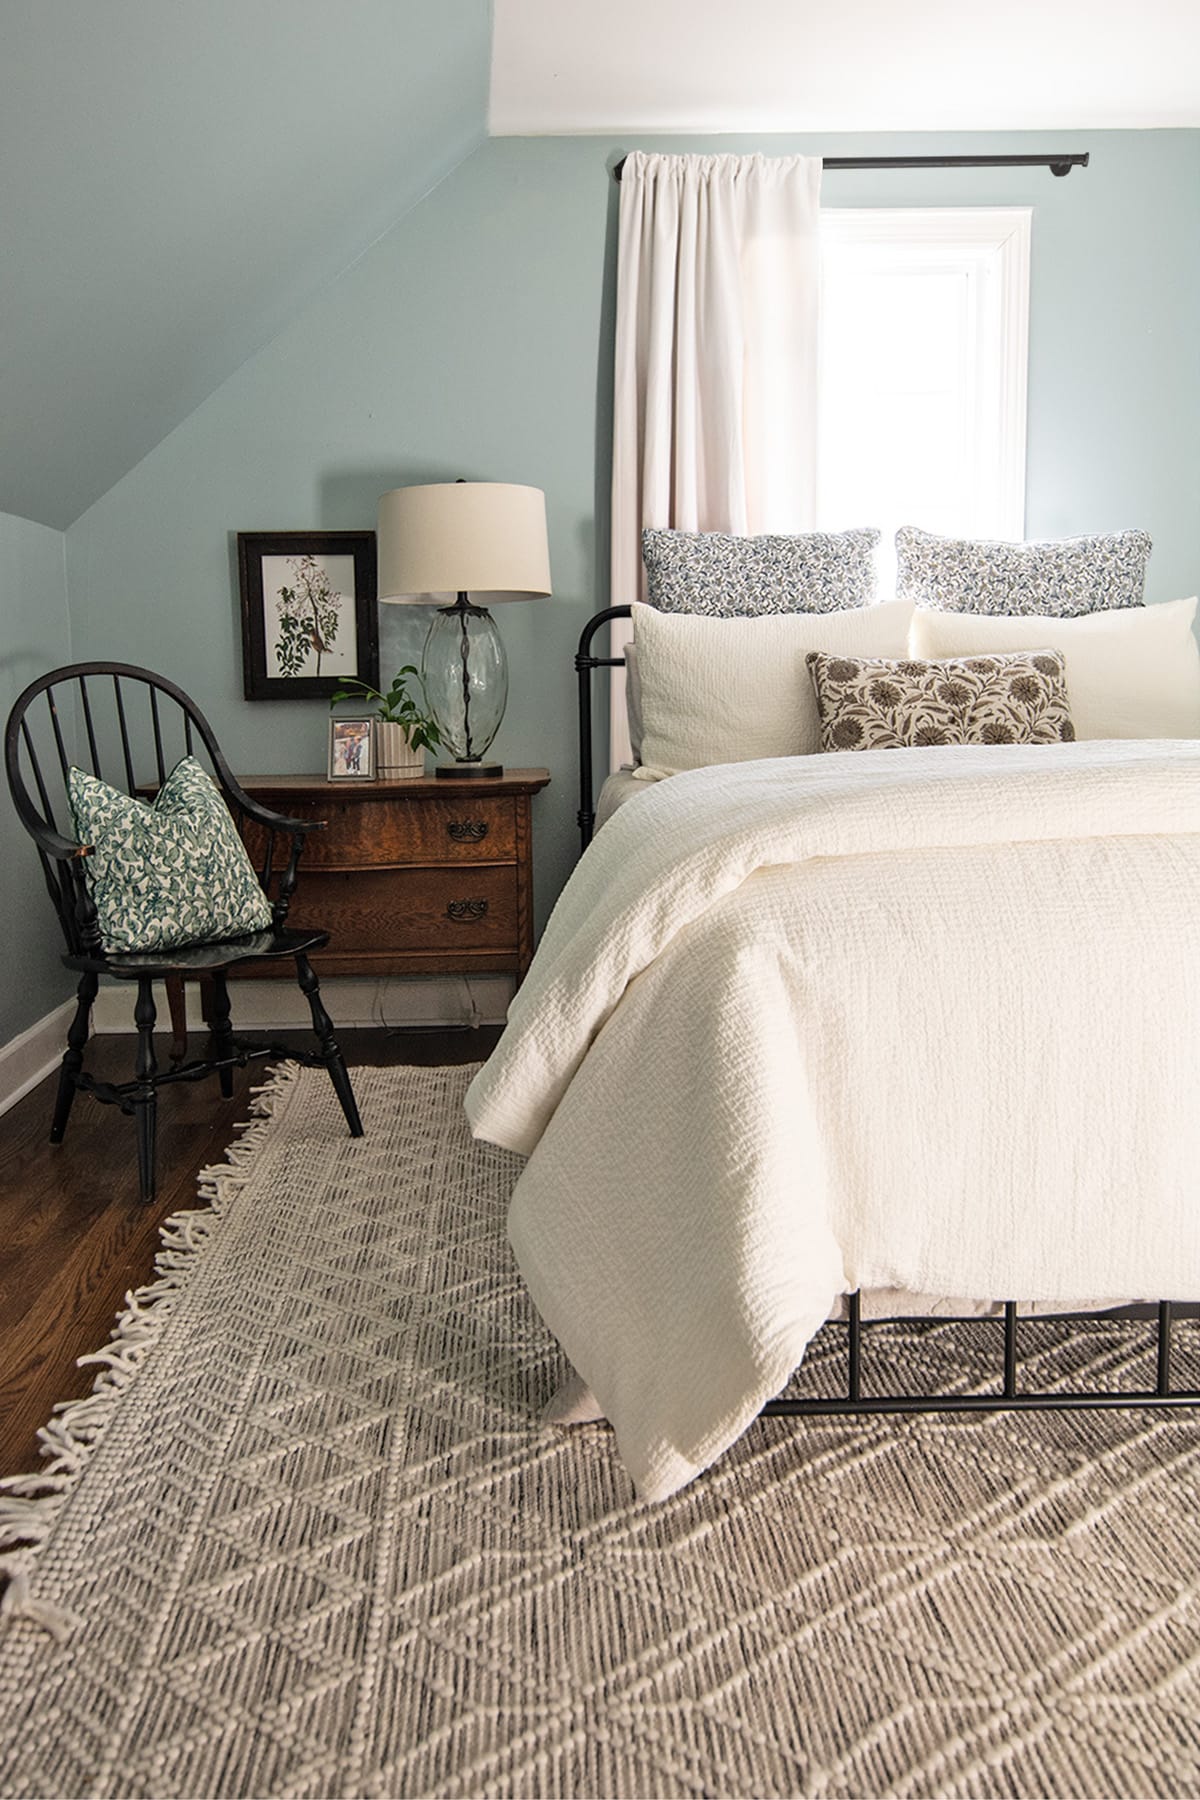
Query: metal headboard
(585, 663)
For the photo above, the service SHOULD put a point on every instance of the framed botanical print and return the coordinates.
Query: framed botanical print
(309, 618)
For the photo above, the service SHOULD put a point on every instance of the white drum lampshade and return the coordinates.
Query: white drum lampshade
(464, 545)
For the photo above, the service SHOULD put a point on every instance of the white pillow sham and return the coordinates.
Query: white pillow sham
(1132, 673)
(732, 690)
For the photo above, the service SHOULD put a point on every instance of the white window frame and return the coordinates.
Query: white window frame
(991, 246)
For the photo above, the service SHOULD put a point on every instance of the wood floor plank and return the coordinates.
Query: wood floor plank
(74, 1237)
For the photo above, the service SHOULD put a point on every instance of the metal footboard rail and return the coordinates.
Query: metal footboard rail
(1009, 1398)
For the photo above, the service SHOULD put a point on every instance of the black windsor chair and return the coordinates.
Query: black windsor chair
(121, 718)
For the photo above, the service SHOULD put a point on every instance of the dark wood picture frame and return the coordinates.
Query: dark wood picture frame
(264, 675)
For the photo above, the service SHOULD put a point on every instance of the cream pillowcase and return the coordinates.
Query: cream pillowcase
(733, 690)
(1132, 673)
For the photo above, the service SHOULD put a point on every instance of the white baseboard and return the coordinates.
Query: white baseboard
(33, 1054)
(398, 1003)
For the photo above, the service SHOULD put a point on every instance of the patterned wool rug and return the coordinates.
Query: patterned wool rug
(308, 1538)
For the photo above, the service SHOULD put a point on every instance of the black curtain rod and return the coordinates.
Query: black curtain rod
(1052, 160)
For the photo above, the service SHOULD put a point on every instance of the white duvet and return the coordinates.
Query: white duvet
(925, 1019)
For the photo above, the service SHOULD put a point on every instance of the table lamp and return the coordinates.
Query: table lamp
(472, 542)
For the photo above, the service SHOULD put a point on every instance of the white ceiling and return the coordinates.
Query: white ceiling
(842, 65)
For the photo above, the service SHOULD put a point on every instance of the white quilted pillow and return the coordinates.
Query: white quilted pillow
(1132, 673)
(732, 690)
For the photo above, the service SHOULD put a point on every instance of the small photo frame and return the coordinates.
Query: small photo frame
(351, 750)
(309, 619)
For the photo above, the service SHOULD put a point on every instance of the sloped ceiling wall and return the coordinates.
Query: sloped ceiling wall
(177, 179)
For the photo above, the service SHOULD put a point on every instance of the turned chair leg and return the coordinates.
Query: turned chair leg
(177, 1006)
(331, 1055)
(72, 1061)
(145, 1098)
(221, 1025)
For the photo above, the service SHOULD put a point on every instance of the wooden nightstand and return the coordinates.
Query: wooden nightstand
(421, 877)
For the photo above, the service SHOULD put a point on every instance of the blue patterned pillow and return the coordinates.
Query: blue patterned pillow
(167, 874)
(725, 576)
(1058, 579)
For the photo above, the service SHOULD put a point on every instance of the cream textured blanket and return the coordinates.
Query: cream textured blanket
(926, 1020)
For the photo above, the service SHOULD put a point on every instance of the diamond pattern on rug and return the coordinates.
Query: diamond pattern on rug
(323, 1548)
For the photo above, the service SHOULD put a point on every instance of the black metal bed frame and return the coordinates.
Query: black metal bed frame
(1010, 1397)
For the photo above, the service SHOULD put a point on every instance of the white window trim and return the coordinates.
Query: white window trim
(995, 242)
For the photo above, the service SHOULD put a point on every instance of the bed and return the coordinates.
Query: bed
(815, 1037)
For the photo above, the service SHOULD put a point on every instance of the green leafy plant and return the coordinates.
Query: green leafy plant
(397, 707)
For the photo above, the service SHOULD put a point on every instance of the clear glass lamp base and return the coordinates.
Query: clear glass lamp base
(465, 672)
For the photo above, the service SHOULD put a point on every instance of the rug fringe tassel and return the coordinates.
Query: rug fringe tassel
(29, 1504)
(17, 1602)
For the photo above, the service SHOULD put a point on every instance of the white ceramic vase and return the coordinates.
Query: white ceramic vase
(395, 758)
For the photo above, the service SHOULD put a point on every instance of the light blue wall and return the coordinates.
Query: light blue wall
(35, 637)
(475, 340)
(177, 179)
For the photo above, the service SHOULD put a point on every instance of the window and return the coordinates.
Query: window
(924, 350)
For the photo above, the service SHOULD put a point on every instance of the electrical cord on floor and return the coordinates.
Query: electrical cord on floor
(471, 1023)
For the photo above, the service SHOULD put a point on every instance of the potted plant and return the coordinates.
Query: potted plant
(404, 730)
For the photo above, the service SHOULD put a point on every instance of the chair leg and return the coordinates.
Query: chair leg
(177, 1003)
(221, 1025)
(331, 1055)
(145, 1099)
(72, 1060)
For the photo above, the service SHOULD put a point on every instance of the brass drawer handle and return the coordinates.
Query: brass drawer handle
(466, 912)
(467, 831)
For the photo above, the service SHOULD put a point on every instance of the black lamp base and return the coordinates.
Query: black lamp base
(466, 771)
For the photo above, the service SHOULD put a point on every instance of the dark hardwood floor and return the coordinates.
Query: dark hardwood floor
(74, 1237)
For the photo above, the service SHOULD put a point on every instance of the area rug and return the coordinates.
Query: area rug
(308, 1537)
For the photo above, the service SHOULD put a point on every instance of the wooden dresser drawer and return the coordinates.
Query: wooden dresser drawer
(391, 831)
(424, 877)
(443, 909)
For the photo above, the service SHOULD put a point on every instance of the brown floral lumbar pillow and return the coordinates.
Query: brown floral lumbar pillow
(871, 703)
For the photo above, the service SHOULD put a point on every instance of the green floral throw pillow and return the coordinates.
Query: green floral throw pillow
(167, 874)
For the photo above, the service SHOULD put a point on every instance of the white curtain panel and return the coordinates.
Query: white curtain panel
(715, 380)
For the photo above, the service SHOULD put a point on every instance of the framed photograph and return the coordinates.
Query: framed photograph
(351, 750)
(309, 618)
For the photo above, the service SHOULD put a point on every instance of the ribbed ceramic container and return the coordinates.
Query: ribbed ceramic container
(395, 759)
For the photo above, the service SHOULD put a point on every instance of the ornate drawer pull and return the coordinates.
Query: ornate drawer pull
(467, 831)
(466, 912)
